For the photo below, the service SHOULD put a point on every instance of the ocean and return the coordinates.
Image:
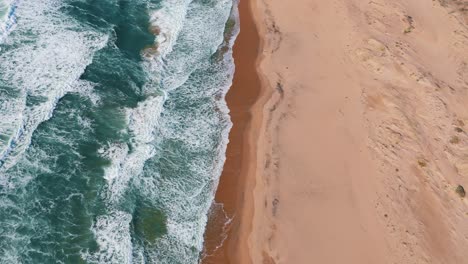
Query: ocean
(113, 127)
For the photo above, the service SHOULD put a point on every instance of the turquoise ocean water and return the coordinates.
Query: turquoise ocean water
(113, 127)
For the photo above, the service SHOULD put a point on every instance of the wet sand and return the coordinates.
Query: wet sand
(240, 159)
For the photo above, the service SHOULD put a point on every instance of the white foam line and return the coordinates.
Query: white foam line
(225, 135)
(113, 237)
(8, 22)
(169, 20)
(142, 122)
(113, 231)
(222, 147)
(225, 230)
(222, 104)
(183, 231)
(46, 66)
(185, 225)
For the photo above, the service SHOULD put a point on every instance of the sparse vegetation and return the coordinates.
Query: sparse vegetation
(410, 27)
(422, 163)
(459, 130)
(408, 30)
(460, 190)
(455, 140)
(279, 88)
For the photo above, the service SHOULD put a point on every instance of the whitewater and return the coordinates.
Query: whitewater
(113, 127)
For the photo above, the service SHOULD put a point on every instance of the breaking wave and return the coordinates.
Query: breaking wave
(114, 128)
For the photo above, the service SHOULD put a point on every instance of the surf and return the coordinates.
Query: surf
(36, 72)
(7, 17)
(120, 148)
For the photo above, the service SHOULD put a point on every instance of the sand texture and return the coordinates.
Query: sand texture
(226, 242)
(364, 136)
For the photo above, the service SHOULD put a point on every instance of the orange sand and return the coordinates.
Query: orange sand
(245, 91)
(357, 139)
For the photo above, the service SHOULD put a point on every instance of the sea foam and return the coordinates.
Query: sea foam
(39, 66)
(142, 121)
(177, 132)
(188, 74)
(113, 237)
(7, 17)
(183, 71)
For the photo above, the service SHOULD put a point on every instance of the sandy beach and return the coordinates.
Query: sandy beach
(245, 100)
(354, 148)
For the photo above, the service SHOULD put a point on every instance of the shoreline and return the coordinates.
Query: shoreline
(332, 161)
(244, 100)
(348, 171)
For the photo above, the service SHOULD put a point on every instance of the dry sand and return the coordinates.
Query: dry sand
(359, 137)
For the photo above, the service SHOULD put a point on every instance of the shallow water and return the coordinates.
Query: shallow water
(110, 151)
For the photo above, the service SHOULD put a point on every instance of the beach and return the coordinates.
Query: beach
(353, 149)
(234, 131)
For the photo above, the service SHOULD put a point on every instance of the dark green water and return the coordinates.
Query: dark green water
(106, 155)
